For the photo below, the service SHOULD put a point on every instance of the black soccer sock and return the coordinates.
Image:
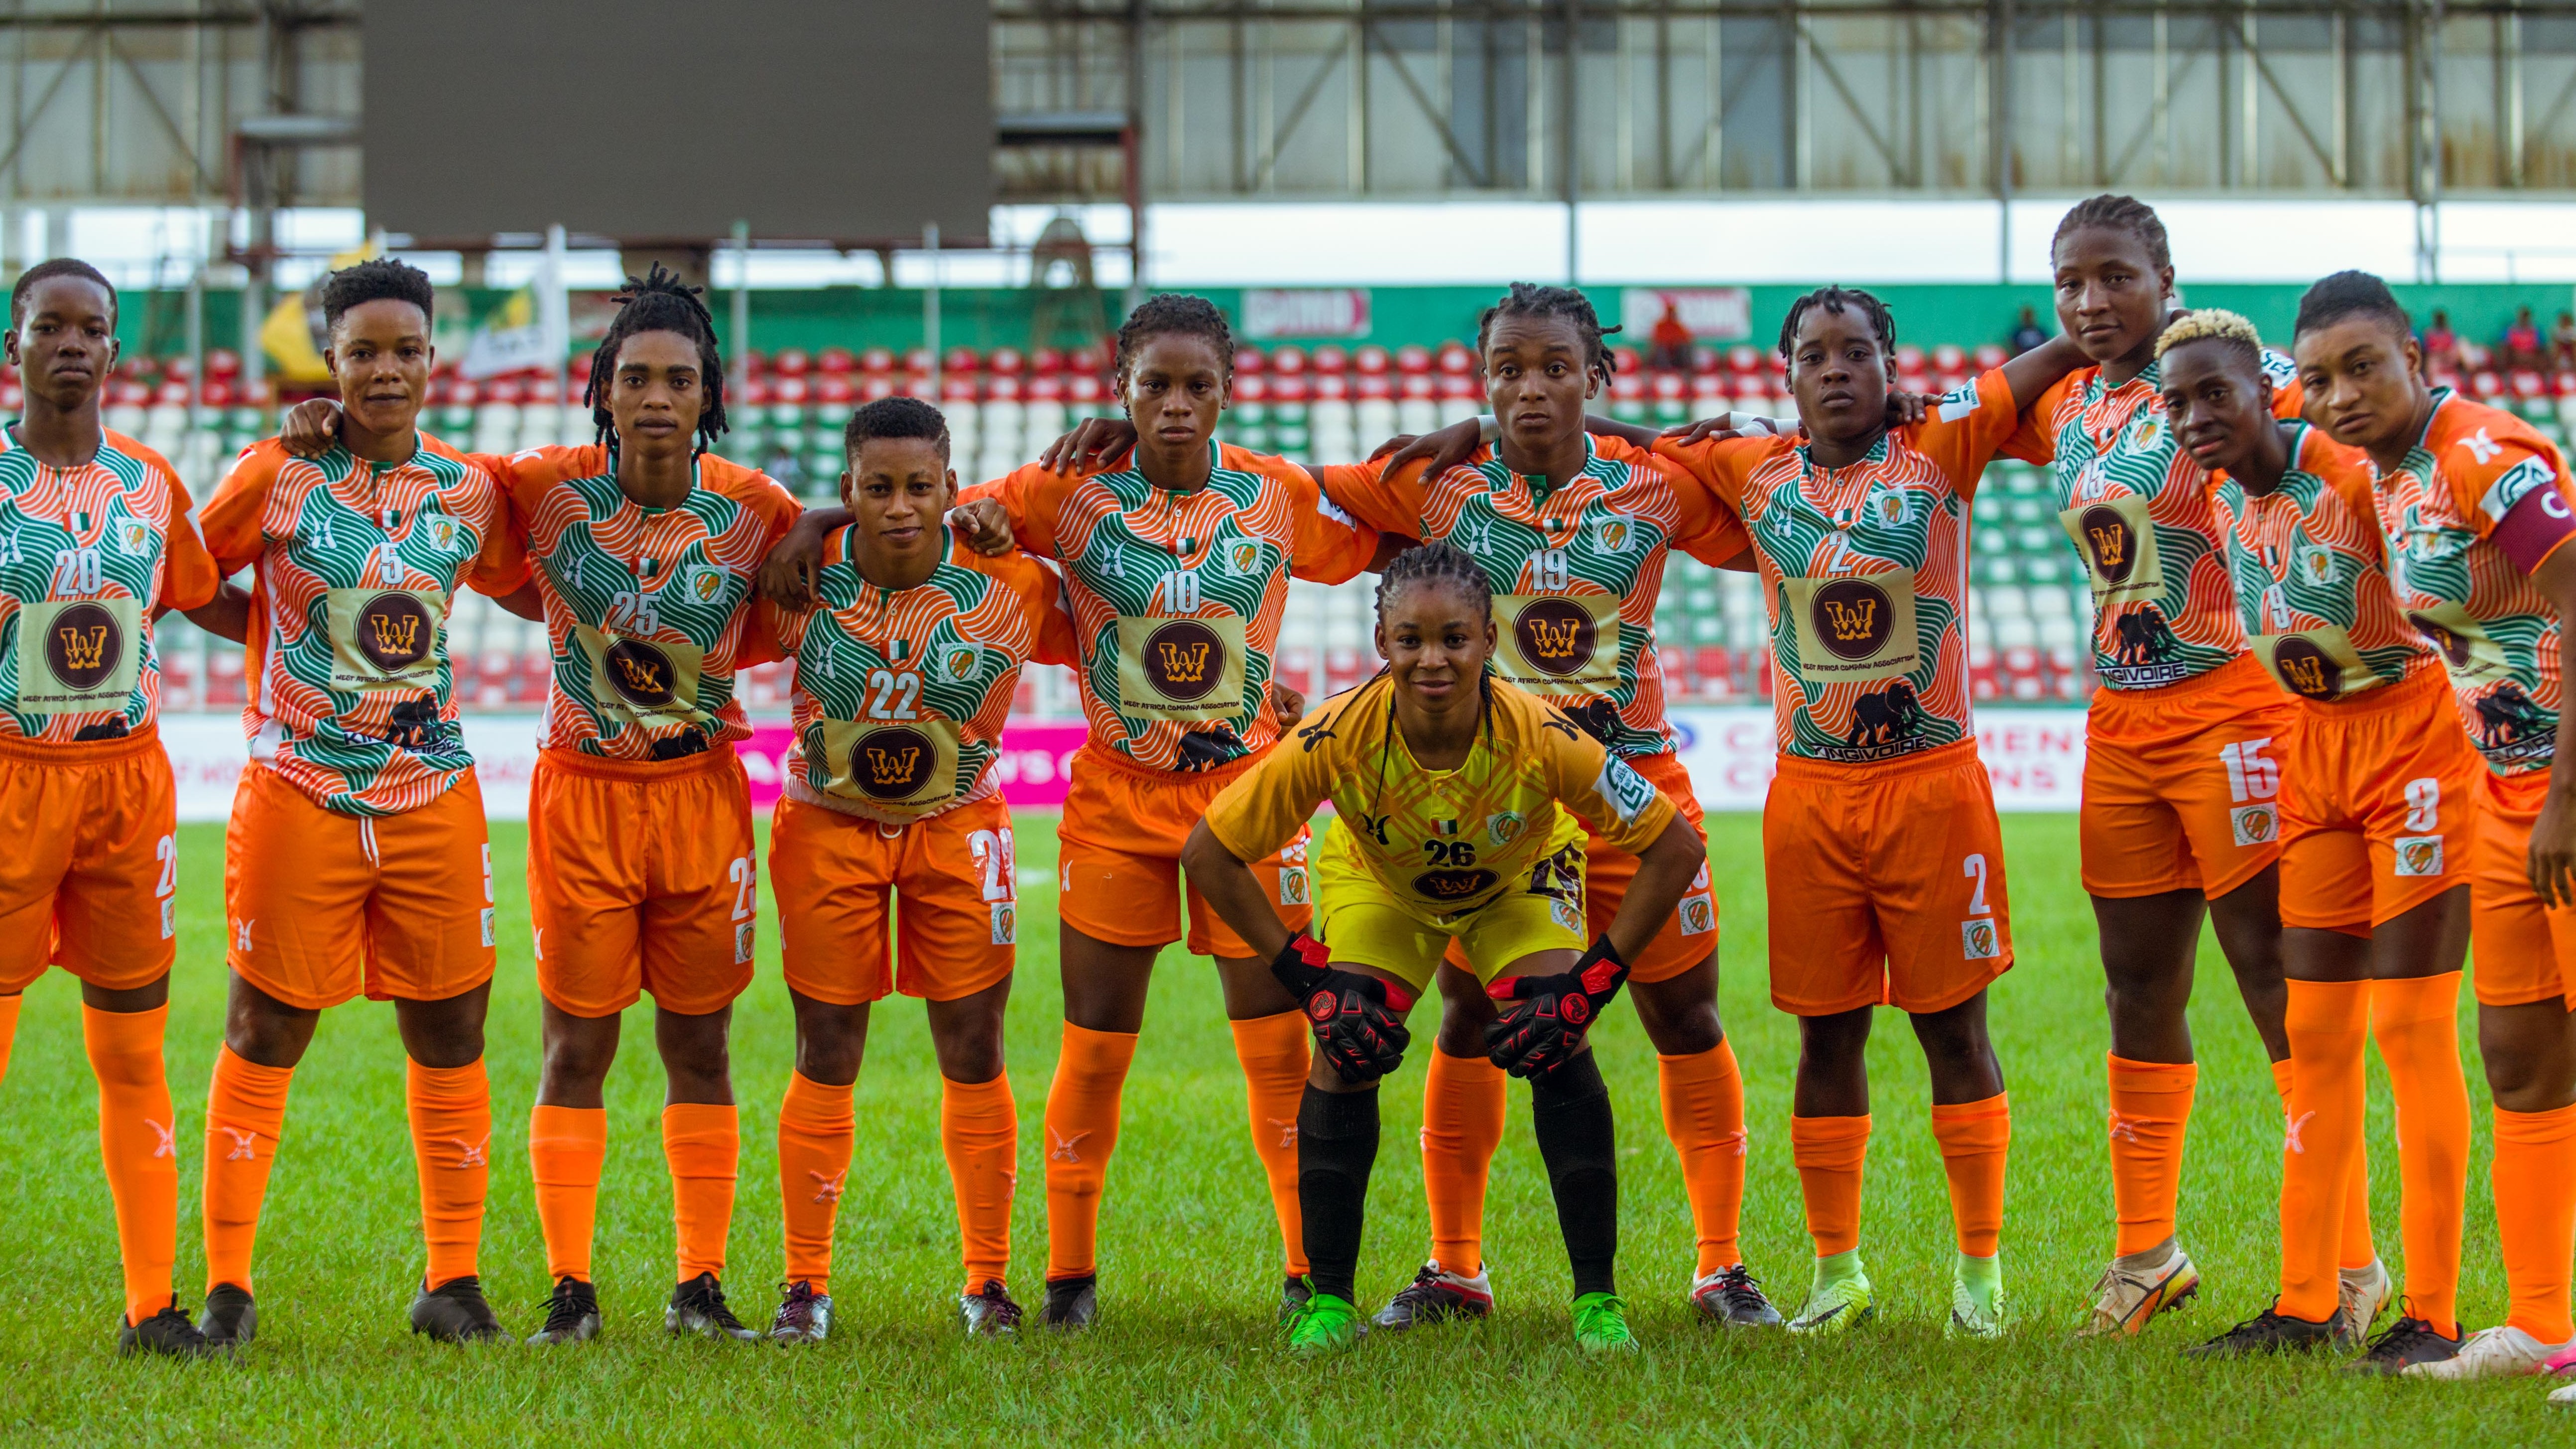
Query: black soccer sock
(1570, 1110)
(1336, 1147)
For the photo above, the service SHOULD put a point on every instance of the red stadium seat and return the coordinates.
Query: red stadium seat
(1288, 359)
(1412, 358)
(1371, 358)
(1329, 358)
(791, 362)
(1743, 359)
(1456, 358)
(877, 359)
(836, 360)
(1991, 355)
(1248, 360)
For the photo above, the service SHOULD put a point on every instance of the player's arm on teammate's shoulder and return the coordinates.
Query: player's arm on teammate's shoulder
(2031, 374)
(1436, 451)
(1091, 447)
(794, 565)
(226, 615)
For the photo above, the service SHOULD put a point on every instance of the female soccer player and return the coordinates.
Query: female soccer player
(2474, 507)
(2376, 810)
(95, 545)
(905, 669)
(1882, 855)
(2182, 760)
(1459, 798)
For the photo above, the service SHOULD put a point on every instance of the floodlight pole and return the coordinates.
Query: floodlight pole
(554, 313)
(741, 339)
(930, 304)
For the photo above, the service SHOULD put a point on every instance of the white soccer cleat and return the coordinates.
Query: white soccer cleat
(2501, 1352)
(2361, 1295)
(2124, 1299)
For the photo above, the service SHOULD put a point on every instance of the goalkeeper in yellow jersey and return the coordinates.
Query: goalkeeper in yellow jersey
(1462, 806)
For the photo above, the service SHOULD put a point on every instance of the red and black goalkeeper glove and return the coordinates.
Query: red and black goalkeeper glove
(1546, 1017)
(1354, 1029)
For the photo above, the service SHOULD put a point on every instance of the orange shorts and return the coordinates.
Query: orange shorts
(641, 878)
(838, 876)
(2378, 807)
(86, 883)
(2180, 783)
(1690, 936)
(1886, 883)
(324, 907)
(2525, 951)
(1119, 864)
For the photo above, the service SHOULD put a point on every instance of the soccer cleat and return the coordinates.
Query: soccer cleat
(455, 1312)
(1293, 1294)
(2361, 1295)
(230, 1319)
(2409, 1340)
(167, 1332)
(2501, 1352)
(1976, 1309)
(1072, 1304)
(1836, 1305)
(1436, 1295)
(2124, 1299)
(1326, 1325)
(1731, 1297)
(1601, 1324)
(2267, 1332)
(2563, 1365)
(698, 1306)
(804, 1316)
(572, 1315)
(988, 1312)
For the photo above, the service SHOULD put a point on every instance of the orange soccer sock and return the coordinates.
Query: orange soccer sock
(815, 1126)
(134, 1139)
(1829, 1153)
(2328, 1023)
(980, 1127)
(2355, 1249)
(2416, 1021)
(451, 1139)
(1975, 1138)
(1704, 1116)
(2535, 1160)
(1463, 1104)
(245, 1111)
(1081, 1132)
(703, 1142)
(8, 1029)
(1273, 1050)
(2150, 1114)
(566, 1146)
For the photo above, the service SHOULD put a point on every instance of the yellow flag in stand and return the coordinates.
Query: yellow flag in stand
(293, 335)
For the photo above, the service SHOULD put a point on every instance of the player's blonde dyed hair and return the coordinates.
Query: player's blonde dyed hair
(2212, 324)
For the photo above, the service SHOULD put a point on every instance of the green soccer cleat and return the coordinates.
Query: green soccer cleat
(1840, 1298)
(1601, 1324)
(1326, 1325)
(1976, 1299)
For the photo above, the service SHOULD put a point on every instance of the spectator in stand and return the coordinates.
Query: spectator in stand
(2522, 348)
(784, 470)
(2027, 333)
(2441, 344)
(1670, 347)
(2562, 343)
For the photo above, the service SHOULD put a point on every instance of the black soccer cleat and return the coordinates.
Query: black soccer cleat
(804, 1316)
(698, 1306)
(2267, 1332)
(1072, 1304)
(1731, 1297)
(230, 1319)
(1436, 1295)
(572, 1315)
(167, 1332)
(988, 1312)
(454, 1312)
(2406, 1342)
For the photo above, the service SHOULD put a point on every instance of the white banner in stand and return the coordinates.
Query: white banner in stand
(2036, 757)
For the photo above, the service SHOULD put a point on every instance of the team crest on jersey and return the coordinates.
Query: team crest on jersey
(1006, 923)
(2148, 432)
(1699, 915)
(742, 941)
(1293, 889)
(1979, 940)
(2317, 565)
(442, 534)
(1615, 534)
(133, 537)
(2419, 855)
(958, 663)
(1891, 509)
(1566, 914)
(1243, 557)
(1504, 827)
(489, 922)
(706, 582)
(2258, 824)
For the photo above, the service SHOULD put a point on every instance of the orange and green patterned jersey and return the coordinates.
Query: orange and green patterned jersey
(2480, 502)
(1442, 842)
(357, 565)
(2310, 579)
(87, 556)
(1576, 570)
(900, 695)
(2139, 511)
(1177, 597)
(1865, 575)
(648, 610)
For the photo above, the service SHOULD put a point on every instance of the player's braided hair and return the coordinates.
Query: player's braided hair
(895, 417)
(57, 267)
(1175, 312)
(659, 302)
(1840, 299)
(1528, 299)
(2351, 294)
(2118, 213)
(381, 280)
(1437, 563)
(2213, 324)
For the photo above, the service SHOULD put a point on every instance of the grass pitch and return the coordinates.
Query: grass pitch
(1190, 1255)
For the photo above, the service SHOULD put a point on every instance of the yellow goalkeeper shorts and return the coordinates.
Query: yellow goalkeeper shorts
(1363, 924)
